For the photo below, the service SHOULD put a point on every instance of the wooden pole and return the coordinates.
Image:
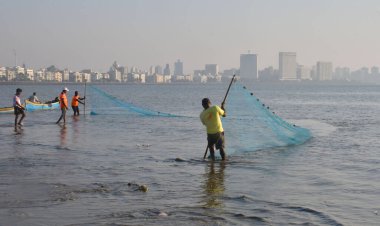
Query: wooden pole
(228, 90)
(224, 100)
(85, 86)
(204, 156)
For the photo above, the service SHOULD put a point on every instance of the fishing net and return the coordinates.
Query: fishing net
(114, 105)
(250, 125)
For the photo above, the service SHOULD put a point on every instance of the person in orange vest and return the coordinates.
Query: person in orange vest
(75, 102)
(63, 105)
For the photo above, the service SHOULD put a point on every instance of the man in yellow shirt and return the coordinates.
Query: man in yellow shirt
(210, 117)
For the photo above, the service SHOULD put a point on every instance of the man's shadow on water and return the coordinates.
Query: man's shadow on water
(214, 185)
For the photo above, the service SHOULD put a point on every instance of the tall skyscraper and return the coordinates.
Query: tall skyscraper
(178, 68)
(324, 70)
(211, 69)
(287, 66)
(167, 70)
(248, 66)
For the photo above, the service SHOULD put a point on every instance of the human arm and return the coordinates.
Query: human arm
(222, 111)
(202, 119)
(19, 105)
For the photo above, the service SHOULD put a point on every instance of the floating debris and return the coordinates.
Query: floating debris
(162, 214)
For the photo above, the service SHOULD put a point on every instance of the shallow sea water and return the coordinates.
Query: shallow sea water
(88, 171)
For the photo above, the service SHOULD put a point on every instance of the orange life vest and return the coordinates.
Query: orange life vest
(63, 100)
(75, 101)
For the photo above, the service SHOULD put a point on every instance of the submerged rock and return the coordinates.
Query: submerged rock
(179, 159)
(143, 188)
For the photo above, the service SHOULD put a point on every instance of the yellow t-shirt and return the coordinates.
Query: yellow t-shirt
(211, 119)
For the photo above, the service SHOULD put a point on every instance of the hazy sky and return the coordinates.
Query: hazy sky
(83, 34)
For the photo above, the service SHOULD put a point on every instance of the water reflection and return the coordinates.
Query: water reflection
(75, 126)
(18, 130)
(19, 134)
(62, 135)
(214, 185)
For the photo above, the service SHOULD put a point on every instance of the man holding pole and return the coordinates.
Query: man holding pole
(210, 117)
(75, 102)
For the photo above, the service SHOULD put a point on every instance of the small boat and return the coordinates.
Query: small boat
(31, 106)
(6, 110)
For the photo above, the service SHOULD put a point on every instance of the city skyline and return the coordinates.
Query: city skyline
(90, 34)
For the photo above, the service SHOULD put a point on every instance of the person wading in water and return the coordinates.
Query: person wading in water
(75, 102)
(18, 108)
(63, 104)
(210, 117)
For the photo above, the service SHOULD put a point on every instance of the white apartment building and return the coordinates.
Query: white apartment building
(287, 66)
(324, 70)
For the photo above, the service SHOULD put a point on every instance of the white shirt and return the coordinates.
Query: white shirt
(33, 99)
(16, 100)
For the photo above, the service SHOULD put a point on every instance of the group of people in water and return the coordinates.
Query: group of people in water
(210, 117)
(63, 103)
(19, 109)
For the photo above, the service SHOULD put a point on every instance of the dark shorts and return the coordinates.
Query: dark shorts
(75, 108)
(18, 111)
(216, 139)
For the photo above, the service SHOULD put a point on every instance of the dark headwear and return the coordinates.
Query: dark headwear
(18, 90)
(34, 93)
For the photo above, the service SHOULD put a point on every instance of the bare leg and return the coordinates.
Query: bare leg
(59, 119)
(16, 119)
(64, 117)
(22, 118)
(212, 153)
(222, 154)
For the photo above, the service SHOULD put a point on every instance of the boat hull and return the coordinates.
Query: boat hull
(6, 110)
(30, 106)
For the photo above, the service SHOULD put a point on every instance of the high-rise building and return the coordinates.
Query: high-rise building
(158, 70)
(167, 70)
(178, 68)
(342, 73)
(287, 66)
(324, 70)
(303, 73)
(248, 66)
(211, 69)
